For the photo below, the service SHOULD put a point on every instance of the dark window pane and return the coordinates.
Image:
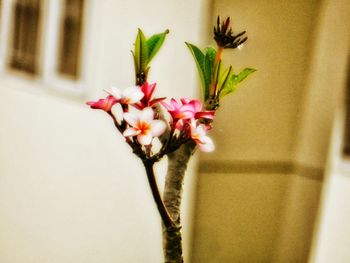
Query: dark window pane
(70, 39)
(25, 36)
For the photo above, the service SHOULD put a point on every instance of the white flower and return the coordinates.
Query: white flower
(198, 133)
(143, 125)
(128, 96)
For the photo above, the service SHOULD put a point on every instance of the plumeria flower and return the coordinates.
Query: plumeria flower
(185, 111)
(143, 125)
(147, 101)
(179, 111)
(198, 109)
(198, 133)
(103, 104)
(128, 96)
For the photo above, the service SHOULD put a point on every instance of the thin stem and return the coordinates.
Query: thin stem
(166, 218)
(116, 124)
(215, 76)
(218, 56)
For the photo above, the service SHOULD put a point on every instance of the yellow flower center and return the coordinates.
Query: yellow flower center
(144, 127)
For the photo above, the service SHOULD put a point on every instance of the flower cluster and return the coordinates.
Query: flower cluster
(136, 115)
(186, 118)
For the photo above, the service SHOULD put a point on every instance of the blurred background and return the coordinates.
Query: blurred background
(276, 188)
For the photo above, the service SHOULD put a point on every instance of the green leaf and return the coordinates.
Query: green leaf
(154, 43)
(205, 65)
(224, 77)
(141, 52)
(233, 81)
(210, 52)
(244, 73)
(207, 68)
(199, 58)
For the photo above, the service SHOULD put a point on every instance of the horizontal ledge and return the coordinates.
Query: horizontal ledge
(262, 167)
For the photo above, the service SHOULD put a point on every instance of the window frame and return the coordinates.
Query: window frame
(48, 76)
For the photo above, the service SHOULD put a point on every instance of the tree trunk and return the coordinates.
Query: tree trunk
(177, 165)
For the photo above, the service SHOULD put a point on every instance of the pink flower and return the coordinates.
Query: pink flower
(128, 96)
(198, 134)
(143, 125)
(148, 90)
(103, 104)
(147, 101)
(197, 107)
(188, 109)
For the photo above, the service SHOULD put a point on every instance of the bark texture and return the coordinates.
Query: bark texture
(177, 165)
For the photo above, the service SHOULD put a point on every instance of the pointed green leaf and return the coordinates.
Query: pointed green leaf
(154, 43)
(244, 73)
(208, 68)
(211, 53)
(224, 77)
(230, 86)
(199, 58)
(141, 51)
(233, 81)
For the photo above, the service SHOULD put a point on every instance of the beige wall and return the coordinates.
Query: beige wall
(237, 216)
(259, 190)
(70, 189)
(261, 117)
(332, 236)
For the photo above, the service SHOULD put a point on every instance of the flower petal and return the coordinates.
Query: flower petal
(116, 93)
(167, 106)
(103, 104)
(197, 105)
(131, 119)
(207, 144)
(201, 130)
(185, 100)
(175, 104)
(133, 94)
(145, 139)
(188, 107)
(117, 111)
(131, 132)
(184, 114)
(147, 115)
(157, 128)
(135, 97)
(148, 90)
(156, 100)
(205, 114)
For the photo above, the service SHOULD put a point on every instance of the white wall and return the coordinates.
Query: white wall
(70, 189)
